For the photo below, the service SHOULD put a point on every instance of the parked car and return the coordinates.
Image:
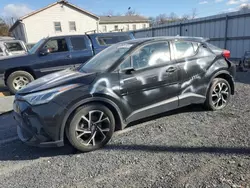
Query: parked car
(244, 64)
(128, 81)
(53, 54)
(10, 47)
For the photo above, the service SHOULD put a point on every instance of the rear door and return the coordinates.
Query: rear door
(81, 50)
(58, 59)
(193, 61)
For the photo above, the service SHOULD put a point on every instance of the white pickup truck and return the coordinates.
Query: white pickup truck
(10, 47)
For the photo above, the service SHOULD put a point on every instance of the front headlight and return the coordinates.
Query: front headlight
(43, 97)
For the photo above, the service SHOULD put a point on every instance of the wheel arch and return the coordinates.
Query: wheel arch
(225, 75)
(8, 72)
(106, 102)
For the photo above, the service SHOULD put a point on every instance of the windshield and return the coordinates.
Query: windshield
(36, 46)
(105, 59)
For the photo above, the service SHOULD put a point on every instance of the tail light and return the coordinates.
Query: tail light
(226, 54)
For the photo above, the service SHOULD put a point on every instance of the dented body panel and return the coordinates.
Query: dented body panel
(131, 93)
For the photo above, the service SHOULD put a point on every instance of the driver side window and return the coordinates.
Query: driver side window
(150, 55)
(56, 45)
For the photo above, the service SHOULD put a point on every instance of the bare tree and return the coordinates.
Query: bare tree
(4, 28)
(108, 13)
(9, 20)
(245, 7)
(161, 19)
(131, 12)
(173, 17)
(185, 17)
(194, 13)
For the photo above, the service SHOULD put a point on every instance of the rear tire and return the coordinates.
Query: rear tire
(17, 80)
(91, 127)
(218, 95)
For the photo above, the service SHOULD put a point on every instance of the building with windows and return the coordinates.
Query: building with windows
(59, 18)
(64, 18)
(122, 23)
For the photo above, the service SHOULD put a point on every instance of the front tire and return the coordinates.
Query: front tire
(18, 80)
(218, 95)
(91, 127)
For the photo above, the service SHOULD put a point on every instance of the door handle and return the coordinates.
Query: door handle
(171, 69)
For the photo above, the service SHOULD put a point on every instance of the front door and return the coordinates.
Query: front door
(154, 81)
(58, 59)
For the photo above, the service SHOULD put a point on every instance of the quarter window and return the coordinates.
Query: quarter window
(57, 26)
(72, 26)
(78, 43)
(150, 55)
(185, 49)
(56, 45)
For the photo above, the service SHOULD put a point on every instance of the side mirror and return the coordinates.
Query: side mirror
(44, 52)
(128, 70)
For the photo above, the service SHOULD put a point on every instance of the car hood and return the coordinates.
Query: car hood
(57, 79)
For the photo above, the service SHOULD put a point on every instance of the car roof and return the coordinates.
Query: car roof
(110, 34)
(194, 39)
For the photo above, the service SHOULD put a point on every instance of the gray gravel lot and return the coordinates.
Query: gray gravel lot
(188, 147)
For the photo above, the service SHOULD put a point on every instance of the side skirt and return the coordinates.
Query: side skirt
(164, 106)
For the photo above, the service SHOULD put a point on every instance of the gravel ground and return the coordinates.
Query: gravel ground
(188, 147)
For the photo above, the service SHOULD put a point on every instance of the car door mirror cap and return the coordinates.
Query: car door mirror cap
(128, 70)
(44, 52)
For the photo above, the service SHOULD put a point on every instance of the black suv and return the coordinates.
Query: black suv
(125, 82)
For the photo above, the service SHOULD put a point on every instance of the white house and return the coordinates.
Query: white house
(64, 18)
(122, 23)
(60, 18)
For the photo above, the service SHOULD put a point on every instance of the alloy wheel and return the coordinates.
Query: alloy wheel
(220, 95)
(19, 82)
(92, 129)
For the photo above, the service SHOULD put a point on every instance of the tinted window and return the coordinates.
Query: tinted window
(150, 55)
(104, 41)
(185, 49)
(13, 46)
(78, 43)
(1, 51)
(56, 45)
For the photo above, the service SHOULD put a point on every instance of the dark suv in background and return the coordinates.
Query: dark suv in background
(125, 82)
(53, 54)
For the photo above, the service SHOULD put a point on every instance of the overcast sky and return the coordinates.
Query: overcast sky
(17, 8)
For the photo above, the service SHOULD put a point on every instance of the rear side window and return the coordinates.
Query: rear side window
(185, 49)
(78, 43)
(13, 46)
(1, 51)
(109, 40)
